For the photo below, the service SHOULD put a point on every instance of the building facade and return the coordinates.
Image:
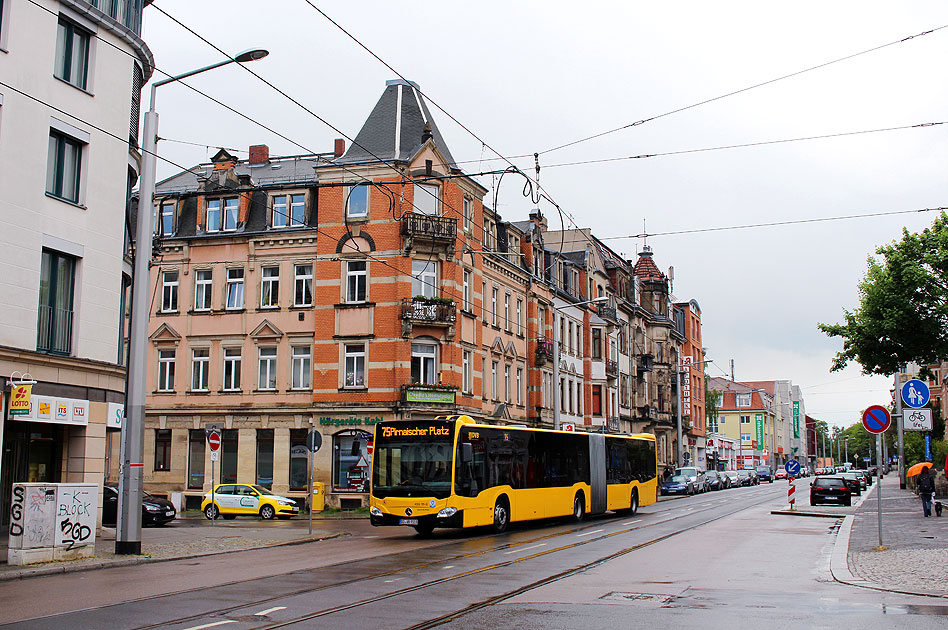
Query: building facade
(68, 159)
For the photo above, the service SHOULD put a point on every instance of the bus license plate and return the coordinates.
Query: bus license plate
(408, 521)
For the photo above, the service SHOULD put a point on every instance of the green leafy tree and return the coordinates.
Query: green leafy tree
(712, 399)
(903, 312)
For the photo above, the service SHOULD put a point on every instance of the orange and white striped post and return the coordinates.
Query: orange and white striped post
(790, 492)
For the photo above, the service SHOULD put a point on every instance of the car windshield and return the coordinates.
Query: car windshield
(413, 459)
(261, 490)
(678, 479)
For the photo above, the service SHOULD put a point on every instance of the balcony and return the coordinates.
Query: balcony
(612, 369)
(644, 364)
(54, 330)
(428, 312)
(430, 230)
(544, 351)
(428, 394)
(647, 413)
(608, 312)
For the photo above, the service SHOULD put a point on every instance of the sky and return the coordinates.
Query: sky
(526, 77)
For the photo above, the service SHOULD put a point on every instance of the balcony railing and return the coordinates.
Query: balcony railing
(647, 412)
(428, 394)
(612, 369)
(429, 311)
(544, 351)
(54, 330)
(608, 312)
(429, 228)
(644, 363)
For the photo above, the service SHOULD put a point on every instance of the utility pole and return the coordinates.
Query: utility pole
(898, 419)
(732, 370)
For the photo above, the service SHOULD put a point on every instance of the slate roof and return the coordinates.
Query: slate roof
(278, 171)
(394, 129)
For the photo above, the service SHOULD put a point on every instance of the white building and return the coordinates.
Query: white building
(71, 73)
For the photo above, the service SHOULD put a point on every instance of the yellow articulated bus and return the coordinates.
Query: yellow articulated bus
(453, 472)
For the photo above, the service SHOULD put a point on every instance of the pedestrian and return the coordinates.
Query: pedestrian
(926, 488)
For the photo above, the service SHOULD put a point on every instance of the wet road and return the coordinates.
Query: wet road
(693, 562)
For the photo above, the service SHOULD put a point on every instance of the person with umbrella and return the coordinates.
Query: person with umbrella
(926, 485)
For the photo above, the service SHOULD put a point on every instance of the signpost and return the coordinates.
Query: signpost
(793, 469)
(213, 443)
(876, 419)
(314, 440)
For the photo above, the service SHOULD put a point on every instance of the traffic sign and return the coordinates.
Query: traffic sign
(314, 440)
(915, 393)
(215, 455)
(876, 419)
(917, 419)
(214, 440)
(792, 467)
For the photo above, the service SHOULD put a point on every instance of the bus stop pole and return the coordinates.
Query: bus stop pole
(879, 482)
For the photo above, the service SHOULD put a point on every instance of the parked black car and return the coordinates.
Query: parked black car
(830, 490)
(155, 510)
(852, 481)
(715, 480)
(765, 474)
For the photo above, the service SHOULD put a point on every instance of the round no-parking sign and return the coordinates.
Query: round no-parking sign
(876, 419)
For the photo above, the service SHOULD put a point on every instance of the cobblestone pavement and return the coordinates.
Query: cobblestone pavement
(916, 554)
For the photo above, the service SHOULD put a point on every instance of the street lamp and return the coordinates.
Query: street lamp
(556, 357)
(846, 443)
(128, 533)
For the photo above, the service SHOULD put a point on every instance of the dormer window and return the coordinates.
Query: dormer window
(288, 210)
(427, 199)
(222, 214)
(357, 202)
(743, 400)
(163, 217)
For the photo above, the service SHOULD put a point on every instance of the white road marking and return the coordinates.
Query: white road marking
(638, 520)
(450, 566)
(595, 531)
(211, 625)
(507, 553)
(395, 580)
(370, 536)
(264, 613)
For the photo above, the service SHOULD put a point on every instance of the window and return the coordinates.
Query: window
(427, 198)
(597, 343)
(424, 278)
(303, 288)
(466, 295)
(507, 312)
(231, 369)
(288, 210)
(166, 370)
(196, 450)
(493, 380)
(72, 54)
(488, 235)
(506, 383)
(743, 400)
(299, 459)
(267, 372)
(355, 281)
(270, 287)
(466, 381)
(569, 337)
(54, 316)
(493, 306)
(63, 166)
(745, 419)
(519, 386)
(169, 292)
(265, 458)
(597, 400)
(468, 214)
(203, 285)
(235, 288)
(745, 437)
(228, 456)
(350, 457)
(301, 367)
(200, 368)
(219, 210)
(423, 364)
(162, 449)
(163, 217)
(357, 204)
(355, 364)
(520, 316)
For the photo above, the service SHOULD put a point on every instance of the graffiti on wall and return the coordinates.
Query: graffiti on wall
(75, 516)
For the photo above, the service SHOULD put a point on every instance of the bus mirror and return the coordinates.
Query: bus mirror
(467, 452)
(356, 448)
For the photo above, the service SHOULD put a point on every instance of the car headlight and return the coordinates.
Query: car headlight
(285, 503)
(448, 511)
(374, 511)
(151, 508)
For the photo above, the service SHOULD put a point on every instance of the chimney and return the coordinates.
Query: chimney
(259, 154)
(339, 147)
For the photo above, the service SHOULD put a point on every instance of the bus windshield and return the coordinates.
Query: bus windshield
(412, 460)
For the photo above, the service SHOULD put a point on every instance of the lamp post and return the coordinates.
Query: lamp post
(128, 533)
(556, 357)
(846, 443)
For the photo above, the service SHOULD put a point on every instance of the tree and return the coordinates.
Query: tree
(712, 398)
(903, 312)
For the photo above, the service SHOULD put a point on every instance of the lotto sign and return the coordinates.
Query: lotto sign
(20, 400)
(568, 426)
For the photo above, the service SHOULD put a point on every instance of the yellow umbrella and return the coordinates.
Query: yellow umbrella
(917, 468)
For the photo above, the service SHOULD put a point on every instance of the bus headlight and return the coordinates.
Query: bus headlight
(374, 511)
(448, 511)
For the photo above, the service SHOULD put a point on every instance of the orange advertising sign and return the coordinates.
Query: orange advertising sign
(20, 400)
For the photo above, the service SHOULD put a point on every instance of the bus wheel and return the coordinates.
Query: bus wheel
(579, 507)
(634, 503)
(501, 515)
(425, 529)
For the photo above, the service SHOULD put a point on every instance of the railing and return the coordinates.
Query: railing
(608, 312)
(644, 363)
(612, 368)
(432, 228)
(647, 412)
(125, 12)
(544, 351)
(428, 394)
(54, 330)
(429, 311)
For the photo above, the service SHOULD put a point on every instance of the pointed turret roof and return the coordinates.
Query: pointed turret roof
(397, 127)
(645, 267)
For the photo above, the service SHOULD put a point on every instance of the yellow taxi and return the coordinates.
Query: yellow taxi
(233, 499)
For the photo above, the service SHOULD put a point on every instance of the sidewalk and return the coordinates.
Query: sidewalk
(183, 538)
(916, 551)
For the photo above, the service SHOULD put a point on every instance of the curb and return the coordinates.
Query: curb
(811, 514)
(144, 559)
